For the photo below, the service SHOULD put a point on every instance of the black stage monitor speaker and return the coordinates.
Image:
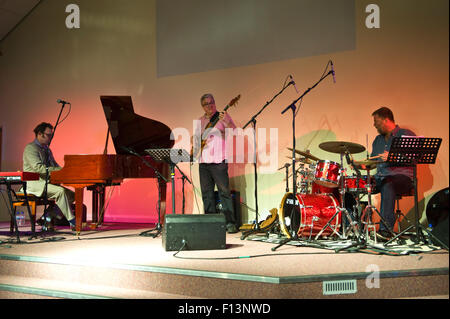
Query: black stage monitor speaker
(441, 232)
(198, 231)
(437, 215)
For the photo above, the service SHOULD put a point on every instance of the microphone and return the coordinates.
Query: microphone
(61, 101)
(332, 72)
(292, 81)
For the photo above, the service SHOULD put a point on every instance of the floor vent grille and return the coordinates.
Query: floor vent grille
(339, 287)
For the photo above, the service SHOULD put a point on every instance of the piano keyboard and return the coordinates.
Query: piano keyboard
(18, 176)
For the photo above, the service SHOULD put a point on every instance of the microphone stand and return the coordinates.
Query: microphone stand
(47, 219)
(253, 121)
(184, 178)
(294, 177)
(286, 167)
(158, 226)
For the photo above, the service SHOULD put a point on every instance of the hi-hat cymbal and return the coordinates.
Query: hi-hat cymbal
(305, 154)
(342, 147)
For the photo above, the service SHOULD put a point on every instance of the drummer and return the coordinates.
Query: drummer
(390, 180)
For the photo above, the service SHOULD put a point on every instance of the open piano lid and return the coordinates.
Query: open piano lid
(129, 130)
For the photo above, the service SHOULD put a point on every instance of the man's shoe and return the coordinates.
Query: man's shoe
(41, 221)
(231, 228)
(48, 225)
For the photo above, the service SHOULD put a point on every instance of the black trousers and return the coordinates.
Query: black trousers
(210, 176)
(389, 187)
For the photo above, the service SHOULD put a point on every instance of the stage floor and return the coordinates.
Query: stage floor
(122, 250)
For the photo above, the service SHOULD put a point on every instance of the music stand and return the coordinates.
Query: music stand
(410, 151)
(172, 157)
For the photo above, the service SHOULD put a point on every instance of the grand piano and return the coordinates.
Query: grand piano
(131, 134)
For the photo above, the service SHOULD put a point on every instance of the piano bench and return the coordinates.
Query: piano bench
(33, 201)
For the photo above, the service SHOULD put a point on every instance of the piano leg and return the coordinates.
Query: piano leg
(78, 209)
(101, 209)
(94, 190)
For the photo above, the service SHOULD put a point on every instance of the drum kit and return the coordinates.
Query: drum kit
(327, 203)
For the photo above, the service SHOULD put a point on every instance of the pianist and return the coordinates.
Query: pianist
(36, 157)
(213, 169)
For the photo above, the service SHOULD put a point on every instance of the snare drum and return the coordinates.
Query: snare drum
(327, 173)
(310, 214)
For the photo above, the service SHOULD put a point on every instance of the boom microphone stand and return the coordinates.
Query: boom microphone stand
(47, 218)
(294, 178)
(256, 229)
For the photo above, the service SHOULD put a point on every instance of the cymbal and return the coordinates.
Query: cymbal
(366, 162)
(342, 147)
(302, 160)
(305, 154)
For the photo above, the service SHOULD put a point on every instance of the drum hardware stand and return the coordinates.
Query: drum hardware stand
(356, 212)
(410, 151)
(360, 240)
(367, 213)
(340, 208)
(255, 159)
(369, 208)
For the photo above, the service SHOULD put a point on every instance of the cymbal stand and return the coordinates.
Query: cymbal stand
(356, 208)
(361, 240)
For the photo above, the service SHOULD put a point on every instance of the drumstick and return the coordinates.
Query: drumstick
(374, 157)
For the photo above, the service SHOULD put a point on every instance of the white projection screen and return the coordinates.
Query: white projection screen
(203, 35)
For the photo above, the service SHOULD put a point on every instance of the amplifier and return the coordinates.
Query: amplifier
(197, 231)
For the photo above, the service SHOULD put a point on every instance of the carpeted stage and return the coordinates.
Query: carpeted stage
(117, 261)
